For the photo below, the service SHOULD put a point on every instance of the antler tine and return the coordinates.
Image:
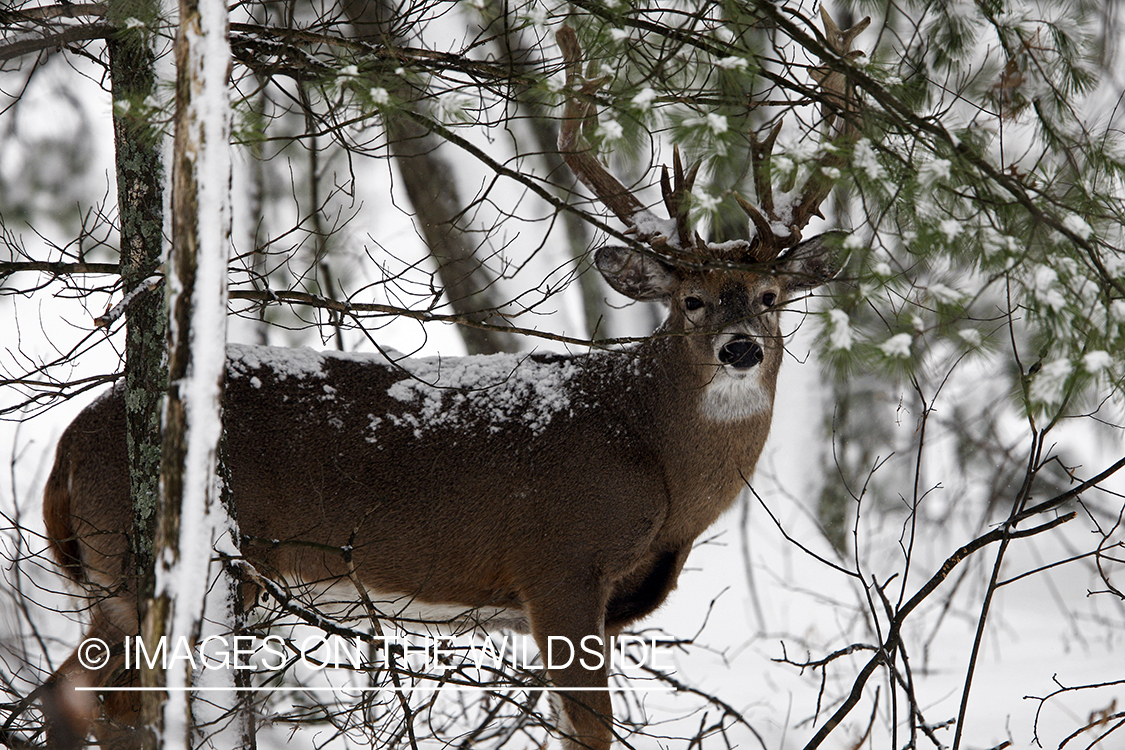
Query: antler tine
(576, 151)
(833, 83)
(761, 155)
(836, 101)
(840, 41)
(689, 178)
(671, 200)
(687, 234)
(765, 245)
(675, 193)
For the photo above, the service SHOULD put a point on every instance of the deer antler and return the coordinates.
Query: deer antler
(675, 196)
(576, 151)
(579, 115)
(776, 228)
(768, 242)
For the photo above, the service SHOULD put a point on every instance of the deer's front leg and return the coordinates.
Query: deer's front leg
(569, 628)
(71, 714)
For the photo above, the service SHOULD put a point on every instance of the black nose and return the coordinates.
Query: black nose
(741, 354)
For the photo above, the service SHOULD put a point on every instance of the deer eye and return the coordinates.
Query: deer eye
(693, 303)
(768, 299)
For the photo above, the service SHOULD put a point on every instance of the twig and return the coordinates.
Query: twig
(817, 663)
(106, 320)
(893, 633)
(7, 268)
(728, 709)
(790, 539)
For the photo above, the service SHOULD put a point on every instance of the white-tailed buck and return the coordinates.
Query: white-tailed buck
(559, 494)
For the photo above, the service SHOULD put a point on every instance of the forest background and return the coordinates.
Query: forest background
(956, 396)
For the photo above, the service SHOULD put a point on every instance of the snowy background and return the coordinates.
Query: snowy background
(748, 596)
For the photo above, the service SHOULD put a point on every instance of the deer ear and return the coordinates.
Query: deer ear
(639, 276)
(814, 261)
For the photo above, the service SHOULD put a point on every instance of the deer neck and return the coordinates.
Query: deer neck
(708, 455)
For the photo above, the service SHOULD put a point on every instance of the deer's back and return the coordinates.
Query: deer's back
(472, 492)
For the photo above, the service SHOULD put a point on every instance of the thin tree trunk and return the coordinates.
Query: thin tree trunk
(140, 204)
(193, 518)
(520, 59)
(141, 208)
(431, 186)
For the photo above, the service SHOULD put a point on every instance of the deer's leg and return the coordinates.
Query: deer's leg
(569, 630)
(71, 713)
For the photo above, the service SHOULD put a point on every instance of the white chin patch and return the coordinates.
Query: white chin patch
(729, 398)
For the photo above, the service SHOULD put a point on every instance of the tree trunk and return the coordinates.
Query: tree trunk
(431, 186)
(193, 518)
(140, 202)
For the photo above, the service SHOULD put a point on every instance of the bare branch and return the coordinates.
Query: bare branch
(7, 268)
(47, 12)
(54, 41)
(104, 321)
(891, 642)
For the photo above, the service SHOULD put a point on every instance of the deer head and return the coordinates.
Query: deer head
(725, 296)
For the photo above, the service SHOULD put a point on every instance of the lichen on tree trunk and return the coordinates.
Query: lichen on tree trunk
(140, 201)
(140, 205)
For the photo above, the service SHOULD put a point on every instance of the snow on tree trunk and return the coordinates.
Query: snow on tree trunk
(194, 522)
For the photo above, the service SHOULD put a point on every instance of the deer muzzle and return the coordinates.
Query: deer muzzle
(741, 353)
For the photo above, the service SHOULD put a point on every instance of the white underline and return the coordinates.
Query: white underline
(295, 689)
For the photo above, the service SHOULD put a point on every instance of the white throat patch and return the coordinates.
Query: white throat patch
(729, 398)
